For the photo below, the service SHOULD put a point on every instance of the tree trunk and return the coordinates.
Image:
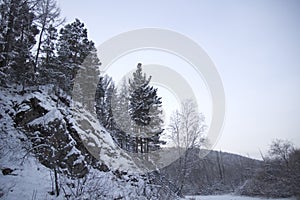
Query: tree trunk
(219, 166)
(137, 140)
(136, 144)
(38, 48)
(142, 146)
(8, 37)
(223, 168)
(183, 171)
(56, 182)
(147, 145)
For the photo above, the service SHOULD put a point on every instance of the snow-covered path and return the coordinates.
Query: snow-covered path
(230, 197)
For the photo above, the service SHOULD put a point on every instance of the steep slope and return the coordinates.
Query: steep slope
(45, 141)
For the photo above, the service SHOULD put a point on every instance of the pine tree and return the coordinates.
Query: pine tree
(73, 44)
(73, 49)
(144, 111)
(17, 38)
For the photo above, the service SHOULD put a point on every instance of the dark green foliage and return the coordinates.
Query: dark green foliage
(17, 39)
(75, 51)
(73, 45)
(141, 100)
(134, 108)
(145, 112)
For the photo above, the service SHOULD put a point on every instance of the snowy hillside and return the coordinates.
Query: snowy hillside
(40, 134)
(52, 148)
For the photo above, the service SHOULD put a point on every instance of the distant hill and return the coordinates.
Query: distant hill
(216, 173)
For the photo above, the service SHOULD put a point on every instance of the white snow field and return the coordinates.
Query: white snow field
(231, 197)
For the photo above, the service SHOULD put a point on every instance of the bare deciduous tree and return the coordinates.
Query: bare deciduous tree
(47, 15)
(281, 149)
(187, 128)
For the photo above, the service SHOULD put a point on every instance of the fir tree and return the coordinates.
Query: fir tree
(144, 111)
(73, 44)
(74, 51)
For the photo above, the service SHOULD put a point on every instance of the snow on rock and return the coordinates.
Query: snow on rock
(99, 142)
(41, 108)
(49, 117)
(39, 111)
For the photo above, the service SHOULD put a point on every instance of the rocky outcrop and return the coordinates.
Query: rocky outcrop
(39, 124)
(54, 141)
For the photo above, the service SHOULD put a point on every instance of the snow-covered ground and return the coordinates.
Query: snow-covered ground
(230, 197)
(32, 180)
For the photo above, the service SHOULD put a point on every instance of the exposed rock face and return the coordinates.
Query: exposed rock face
(54, 141)
(28, 111)
(38, 124)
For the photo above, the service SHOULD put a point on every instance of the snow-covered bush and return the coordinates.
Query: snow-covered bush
(280, 174)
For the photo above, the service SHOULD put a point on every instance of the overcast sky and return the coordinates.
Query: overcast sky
(255, 46)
